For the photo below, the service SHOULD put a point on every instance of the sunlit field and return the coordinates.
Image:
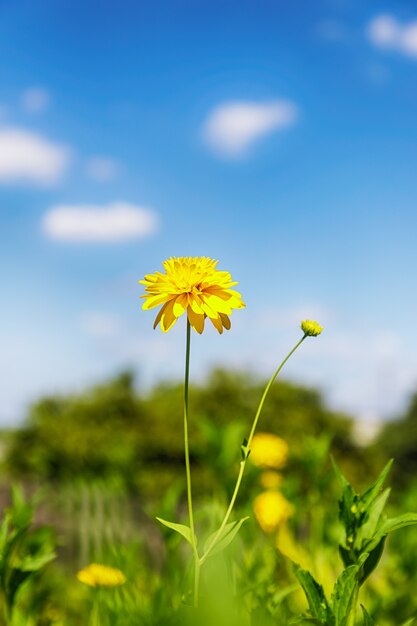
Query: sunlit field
(208, 357)
(228, 502)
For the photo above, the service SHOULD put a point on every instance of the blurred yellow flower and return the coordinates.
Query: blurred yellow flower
(269, 451)
(271, 479)
(97, 575)
(311, 328)
(195, 286)
(271, 509)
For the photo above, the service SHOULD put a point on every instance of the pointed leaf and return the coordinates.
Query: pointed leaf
(367, 619)
(314, 592)
(345, 591)
(35, 563)
(369, 528)
(226, 537)
(372, 560)
(408, 519)
(280, 595)
(183, 530)
(373, 491)
(338, 472)
(347, 502)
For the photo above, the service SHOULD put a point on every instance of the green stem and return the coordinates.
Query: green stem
(249, 441)
(95, 611)
(187, 466)
(197, 567)
(268, 387)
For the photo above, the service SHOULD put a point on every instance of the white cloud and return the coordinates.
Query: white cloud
(233, 127)
(385, 31)
(28, 157)
(118, 221)
(102, 169)
(35, 100)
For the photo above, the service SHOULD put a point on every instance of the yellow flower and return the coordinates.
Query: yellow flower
(271, 479)
(269, 451)
(97, 575)
(271, 509)
(195, 286)
(311, 328)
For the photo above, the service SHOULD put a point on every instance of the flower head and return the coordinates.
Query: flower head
(195, 286)
(97, 575)
(311, 328)
(271, 509)
(268, 451)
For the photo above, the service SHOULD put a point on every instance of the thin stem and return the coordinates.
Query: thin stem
(249, 441)
(95, 612)
(186, 446)
(187, 466)
(197, 566)
(268, 387)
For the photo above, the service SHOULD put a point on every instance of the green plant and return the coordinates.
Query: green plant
(365, 530)
(24, 552)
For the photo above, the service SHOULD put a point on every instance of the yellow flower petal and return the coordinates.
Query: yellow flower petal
(180, 304)
(225, 321)
(217, 323)
(168, 318)
(192, 285)
(154, 301)
(97, 575)
(196, 320)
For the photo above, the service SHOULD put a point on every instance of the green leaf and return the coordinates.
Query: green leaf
(367, 619)
(304, 619)
(408, 519)
(183, 530)
(21, 511)
(280, 595)
(409, 622)
(369, 528)
(314, 592)
(35, 563)
(338, 472)
(245, 450)
(4, 533)
(372, 560)
(344, 593)
(372, 492)
(227, 535)
(347, 502)
(395, 523)
(347, 556)
(16, 579)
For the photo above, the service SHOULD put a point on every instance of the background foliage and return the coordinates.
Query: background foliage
(110, 459)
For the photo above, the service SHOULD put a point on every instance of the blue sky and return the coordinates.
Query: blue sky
(277, 137)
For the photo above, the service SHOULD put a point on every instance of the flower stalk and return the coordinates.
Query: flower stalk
(188, 466)
(246, 450)
(195, 287)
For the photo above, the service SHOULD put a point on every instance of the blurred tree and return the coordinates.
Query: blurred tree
(112, 430)
(398, 439)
